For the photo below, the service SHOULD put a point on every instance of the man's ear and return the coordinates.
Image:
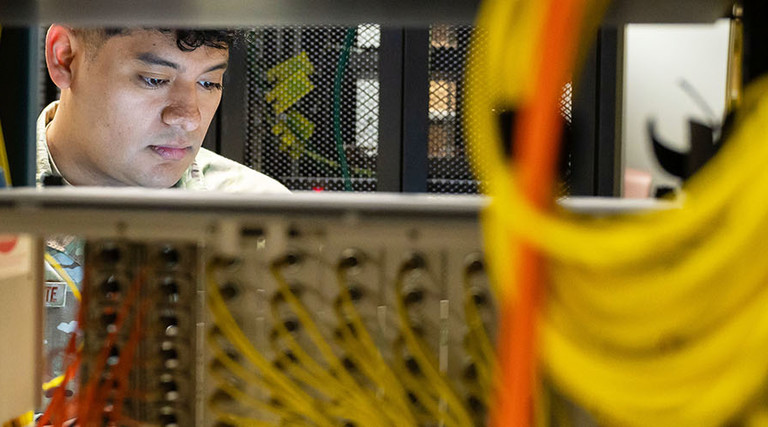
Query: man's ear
(59, 54)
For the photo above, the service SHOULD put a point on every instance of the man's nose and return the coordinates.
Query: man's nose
(183, 110)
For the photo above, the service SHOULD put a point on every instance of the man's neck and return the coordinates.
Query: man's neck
(55, 154)
(63, 151)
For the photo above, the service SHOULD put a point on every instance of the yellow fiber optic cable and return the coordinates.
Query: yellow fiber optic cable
(376, 396)
(350, 404)
(424, 391)
(4, 166)
(354, 392)
(300, 404)
(482, 347)
(630, 242)
(313, 374)
(22, 421)
(388, 396)
(287, 398)
(367, 350)
(655, 318)
(53, 383)
(483, 368)
(353, 404)
(422, 356)
(237, 420)
(243, 398)
(63, 273)
(305, 319)
(235, 335)
(238, 372)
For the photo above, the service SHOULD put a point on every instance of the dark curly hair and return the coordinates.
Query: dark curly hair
(187, 40)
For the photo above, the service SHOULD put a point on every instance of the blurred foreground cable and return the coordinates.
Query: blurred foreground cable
(554, 28)
(658, 318)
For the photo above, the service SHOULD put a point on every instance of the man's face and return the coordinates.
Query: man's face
(142, 107)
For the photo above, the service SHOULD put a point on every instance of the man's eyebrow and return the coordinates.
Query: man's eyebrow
(152, 59)
(222, 66)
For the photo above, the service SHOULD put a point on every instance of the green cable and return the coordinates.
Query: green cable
(343, 58)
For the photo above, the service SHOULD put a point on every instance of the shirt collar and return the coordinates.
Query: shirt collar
(45, 165)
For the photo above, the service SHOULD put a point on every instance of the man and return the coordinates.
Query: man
(135, 106)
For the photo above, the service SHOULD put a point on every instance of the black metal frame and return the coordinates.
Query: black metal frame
(755, 40)
(597, 116)
(19, 107)
(415, 111)
(226, 134)
(389, 166)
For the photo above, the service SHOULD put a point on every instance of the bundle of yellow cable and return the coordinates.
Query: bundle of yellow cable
(659, 318)
(347, 382)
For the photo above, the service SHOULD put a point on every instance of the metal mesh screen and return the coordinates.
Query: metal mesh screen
(313, 106)
(449, 166)
(566, 103)
(449, 169)
(313, 97)
(566, 150)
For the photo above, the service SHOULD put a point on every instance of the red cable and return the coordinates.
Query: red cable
(125, 363)
(89, 410)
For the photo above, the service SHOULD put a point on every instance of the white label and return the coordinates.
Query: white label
(55, 294)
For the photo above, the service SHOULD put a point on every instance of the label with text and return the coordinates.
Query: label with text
(55, 294)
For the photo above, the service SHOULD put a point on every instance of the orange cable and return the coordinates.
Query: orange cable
(125, 363)
(537, 134)
(54, 410)
(88, 393)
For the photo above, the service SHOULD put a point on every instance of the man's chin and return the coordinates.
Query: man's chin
(159, 181)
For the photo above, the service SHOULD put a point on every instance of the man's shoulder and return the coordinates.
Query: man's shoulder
(222, 174)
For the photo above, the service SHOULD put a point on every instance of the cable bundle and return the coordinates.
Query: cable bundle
(102, 396)
(134, 350)
(657, 318)
(341, 371)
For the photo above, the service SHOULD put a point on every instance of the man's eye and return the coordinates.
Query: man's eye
(210, 85)
(153, 82)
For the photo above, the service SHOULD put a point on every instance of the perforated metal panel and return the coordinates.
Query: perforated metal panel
(566, 103)
(566, 155)
(449, 155)
(312, 105)
(312, 101)
(449, 169)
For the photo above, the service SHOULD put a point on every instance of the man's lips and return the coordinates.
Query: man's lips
(170, 152)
